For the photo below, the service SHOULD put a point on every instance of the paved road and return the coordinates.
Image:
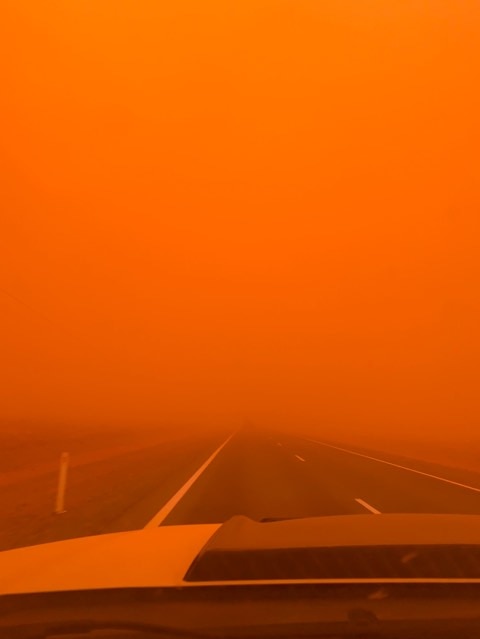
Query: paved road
(208, 479)
(267, 475)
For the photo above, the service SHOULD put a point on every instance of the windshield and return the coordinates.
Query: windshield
(239, 284)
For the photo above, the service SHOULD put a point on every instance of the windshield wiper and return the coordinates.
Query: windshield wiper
(353, 627)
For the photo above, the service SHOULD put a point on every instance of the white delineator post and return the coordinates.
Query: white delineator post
(62, 484)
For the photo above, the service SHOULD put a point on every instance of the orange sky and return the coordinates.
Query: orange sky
(262, 209)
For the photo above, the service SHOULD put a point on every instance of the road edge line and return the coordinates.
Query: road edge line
(383, 461)
(173, 501)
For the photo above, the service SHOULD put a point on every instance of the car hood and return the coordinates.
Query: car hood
(162, 557)
(152, 557)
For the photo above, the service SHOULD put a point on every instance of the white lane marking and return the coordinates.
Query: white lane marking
(383, 461)
(300, 458)
(173, 501)
(367, 506)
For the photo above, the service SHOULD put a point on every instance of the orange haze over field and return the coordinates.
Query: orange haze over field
(264, 210)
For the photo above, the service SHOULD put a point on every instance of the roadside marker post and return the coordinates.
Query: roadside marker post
(62, 484)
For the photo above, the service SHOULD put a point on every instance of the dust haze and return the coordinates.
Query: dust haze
(256, 212)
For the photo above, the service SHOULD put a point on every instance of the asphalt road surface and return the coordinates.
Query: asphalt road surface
(256, 473)
(272, 476)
